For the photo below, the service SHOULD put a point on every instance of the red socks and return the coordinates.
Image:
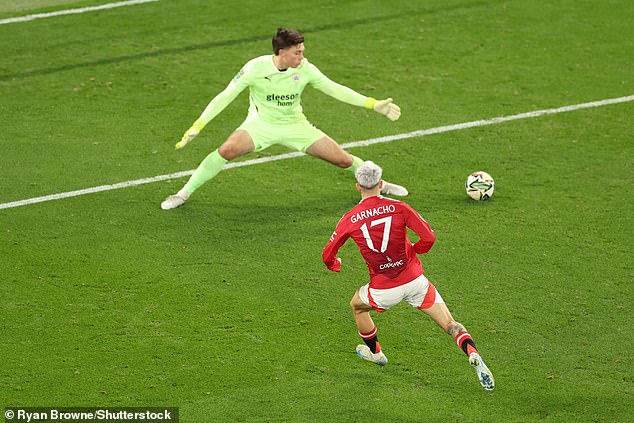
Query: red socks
(371, 340)
(464, 341)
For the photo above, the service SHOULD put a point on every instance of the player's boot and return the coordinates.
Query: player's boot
(173, 201)
(484, 374)
(364, 352)
(393, 189)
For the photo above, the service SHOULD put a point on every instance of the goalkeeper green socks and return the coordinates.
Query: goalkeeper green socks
(214, 163)
(356, 162)
(209, 168)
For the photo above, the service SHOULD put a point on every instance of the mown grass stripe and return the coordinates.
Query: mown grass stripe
(28, 18)
(363, 143)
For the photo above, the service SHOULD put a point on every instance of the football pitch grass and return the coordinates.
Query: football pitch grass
(223, 307)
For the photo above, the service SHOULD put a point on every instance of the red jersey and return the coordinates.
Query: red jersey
(378, 226)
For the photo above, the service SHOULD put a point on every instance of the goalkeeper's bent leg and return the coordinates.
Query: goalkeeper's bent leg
(207, 169)
(388, 188)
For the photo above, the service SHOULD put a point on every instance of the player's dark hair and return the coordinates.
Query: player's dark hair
(286, 37)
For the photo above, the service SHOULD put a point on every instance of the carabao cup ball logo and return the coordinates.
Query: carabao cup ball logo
(480, 186)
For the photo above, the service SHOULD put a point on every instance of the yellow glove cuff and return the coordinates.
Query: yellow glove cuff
(198, 125)
(369, 103)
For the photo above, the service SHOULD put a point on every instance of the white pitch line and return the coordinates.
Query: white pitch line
(492, 121)
(390, 138)
(72, 11)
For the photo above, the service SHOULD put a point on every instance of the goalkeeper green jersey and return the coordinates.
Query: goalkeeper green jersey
(275, 95)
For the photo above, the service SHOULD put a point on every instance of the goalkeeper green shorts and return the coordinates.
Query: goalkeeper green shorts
(295, 135)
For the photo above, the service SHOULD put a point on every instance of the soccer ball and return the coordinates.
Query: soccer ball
(480, 186)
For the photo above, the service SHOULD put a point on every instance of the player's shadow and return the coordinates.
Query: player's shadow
(225, 43)
(259, 209)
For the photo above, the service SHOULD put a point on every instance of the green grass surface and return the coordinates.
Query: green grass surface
(223, 307)
(36, 6)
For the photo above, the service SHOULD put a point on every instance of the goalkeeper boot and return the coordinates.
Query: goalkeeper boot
(484, 374)
(175, 200)
(393, 189)
(364, 352)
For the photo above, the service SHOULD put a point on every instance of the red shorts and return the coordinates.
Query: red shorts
(419, 293)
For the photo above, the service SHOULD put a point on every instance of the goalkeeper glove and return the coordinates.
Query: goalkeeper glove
(190, 134)
(385, 107)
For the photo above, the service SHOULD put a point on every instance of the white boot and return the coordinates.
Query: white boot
(393, 189)
(175, 200)
(484, 374)
(364, 352)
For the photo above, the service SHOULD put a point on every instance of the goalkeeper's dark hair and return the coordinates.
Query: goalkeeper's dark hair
(286, 37)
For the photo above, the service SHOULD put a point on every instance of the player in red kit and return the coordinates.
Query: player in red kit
(378, 226)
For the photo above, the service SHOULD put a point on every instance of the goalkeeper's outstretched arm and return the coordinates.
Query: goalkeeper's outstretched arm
(215, 106)
(350, 96)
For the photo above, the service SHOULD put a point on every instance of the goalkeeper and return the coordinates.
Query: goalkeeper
(275, 114)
